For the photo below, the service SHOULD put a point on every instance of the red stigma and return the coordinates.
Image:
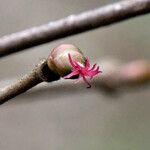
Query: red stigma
(82, 71)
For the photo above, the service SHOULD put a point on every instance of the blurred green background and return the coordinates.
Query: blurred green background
(61, 117)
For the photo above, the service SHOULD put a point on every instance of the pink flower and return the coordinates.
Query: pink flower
(82, 71)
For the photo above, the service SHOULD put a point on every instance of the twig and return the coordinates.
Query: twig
(72, 25)
(113, 76)
(39, 74)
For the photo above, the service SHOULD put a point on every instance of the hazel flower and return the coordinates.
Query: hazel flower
(67, 61)
(82, 71)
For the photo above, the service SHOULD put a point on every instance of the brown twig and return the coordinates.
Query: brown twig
(39, 74)
(113, 76)
(73, 24)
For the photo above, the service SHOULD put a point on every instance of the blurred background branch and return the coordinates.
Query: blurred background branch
(72, 25)
(114, 75)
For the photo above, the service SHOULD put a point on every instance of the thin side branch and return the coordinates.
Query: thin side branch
(72, 25)
(39, 74)
(114, 76)
(27, 82)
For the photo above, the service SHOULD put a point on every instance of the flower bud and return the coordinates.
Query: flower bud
(58, 60)
(136, 71)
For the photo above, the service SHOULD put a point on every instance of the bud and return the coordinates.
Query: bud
(58, 60)
(68, 62)
(136, 71)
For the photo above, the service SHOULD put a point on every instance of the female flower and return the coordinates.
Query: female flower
(82, 71)
(68, 62)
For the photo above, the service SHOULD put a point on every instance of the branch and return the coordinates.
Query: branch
(39, 74)
(72, 25)
(113, 76)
